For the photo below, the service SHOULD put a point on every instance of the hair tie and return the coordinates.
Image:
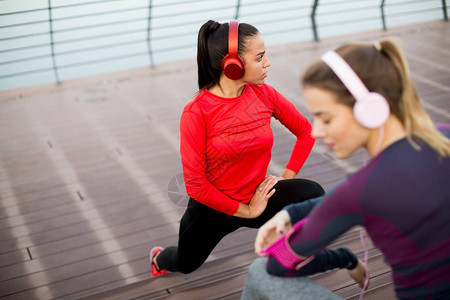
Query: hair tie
(377, 45)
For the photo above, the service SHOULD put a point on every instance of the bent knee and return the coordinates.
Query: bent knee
(316, 188)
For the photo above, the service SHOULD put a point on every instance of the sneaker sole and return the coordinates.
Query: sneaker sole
(151, 258)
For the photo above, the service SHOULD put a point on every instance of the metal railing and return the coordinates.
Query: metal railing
(57, 33)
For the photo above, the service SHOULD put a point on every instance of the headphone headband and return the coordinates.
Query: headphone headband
(233, 38)
(346, 74)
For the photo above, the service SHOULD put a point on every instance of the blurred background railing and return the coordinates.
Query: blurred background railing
(44, 41)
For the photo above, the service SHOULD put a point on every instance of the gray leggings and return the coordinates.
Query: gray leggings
(260, 285)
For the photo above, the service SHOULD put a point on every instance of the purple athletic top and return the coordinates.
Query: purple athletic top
(402, 198)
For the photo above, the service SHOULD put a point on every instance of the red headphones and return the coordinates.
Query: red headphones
(232, 64)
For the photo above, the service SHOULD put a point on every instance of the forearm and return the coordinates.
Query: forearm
(297, 124)
(300, 152)
(324, 260)
(288, 174)
(243, 212)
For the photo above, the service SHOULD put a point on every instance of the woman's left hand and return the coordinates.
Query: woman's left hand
(270, 232)
(358, 274)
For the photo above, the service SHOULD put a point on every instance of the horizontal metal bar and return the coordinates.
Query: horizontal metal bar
(76, 51)
(340, 2)
(404, 13)
(73, 65)
(27, 72)
(404, 3)
(400, 3)
(24, 24)
(274, 11)
(93, 37)
(25, 36)
(100, 25)
(175, 25)
(57, 7)
(190, 12)
(408, 12)
(23, 12)
(179, 3)
(349, 21)
(25, 48)
(376, 18)
(84, 3)
(110, 12)
(25, 59)
(90, 62)
(298, 28)
(282, 20)
(267, 2)
(336, 12)
(180, 47)
(107, 46)
(162, 37)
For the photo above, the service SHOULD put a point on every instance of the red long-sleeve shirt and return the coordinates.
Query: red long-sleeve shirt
(226, 144)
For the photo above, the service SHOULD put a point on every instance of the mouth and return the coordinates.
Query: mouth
(265, 75)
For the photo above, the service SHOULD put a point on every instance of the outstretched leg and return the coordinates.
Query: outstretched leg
(201, 229)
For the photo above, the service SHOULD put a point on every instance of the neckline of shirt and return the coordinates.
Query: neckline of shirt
(227, 99)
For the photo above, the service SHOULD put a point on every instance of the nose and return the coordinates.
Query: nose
(317, 132)
(266, 62)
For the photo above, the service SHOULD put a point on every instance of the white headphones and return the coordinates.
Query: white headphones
(371, 109)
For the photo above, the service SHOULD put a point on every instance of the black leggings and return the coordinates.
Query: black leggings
(202, 228)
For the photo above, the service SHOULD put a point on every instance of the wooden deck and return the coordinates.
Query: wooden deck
(90, 175)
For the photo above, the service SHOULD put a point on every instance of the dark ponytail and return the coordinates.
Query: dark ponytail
(208, 75)
(212, 47)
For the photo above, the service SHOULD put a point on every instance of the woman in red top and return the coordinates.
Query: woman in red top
(226, 143)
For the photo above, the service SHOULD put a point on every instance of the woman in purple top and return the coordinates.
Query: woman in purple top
(402, 196)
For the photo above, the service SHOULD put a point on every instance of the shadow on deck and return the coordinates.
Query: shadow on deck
(89, 178)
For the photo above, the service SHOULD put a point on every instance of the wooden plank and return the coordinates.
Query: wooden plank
(176, 283)
(65, 227)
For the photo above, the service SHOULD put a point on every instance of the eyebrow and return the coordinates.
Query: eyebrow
(320, 113)
(262, 52)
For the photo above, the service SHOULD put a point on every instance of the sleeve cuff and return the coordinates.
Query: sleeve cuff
(293, 213)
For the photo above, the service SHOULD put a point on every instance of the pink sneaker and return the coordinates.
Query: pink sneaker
(155, 271)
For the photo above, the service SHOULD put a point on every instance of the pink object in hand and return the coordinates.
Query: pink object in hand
(283, 253)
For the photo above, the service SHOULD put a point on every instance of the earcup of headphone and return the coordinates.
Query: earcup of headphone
(233, 67)
(372, 111)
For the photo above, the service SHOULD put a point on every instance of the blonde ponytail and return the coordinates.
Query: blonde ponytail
(416, 121)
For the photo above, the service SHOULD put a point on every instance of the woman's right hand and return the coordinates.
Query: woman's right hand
(259, 200)
(272, 230)
(258, 203)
